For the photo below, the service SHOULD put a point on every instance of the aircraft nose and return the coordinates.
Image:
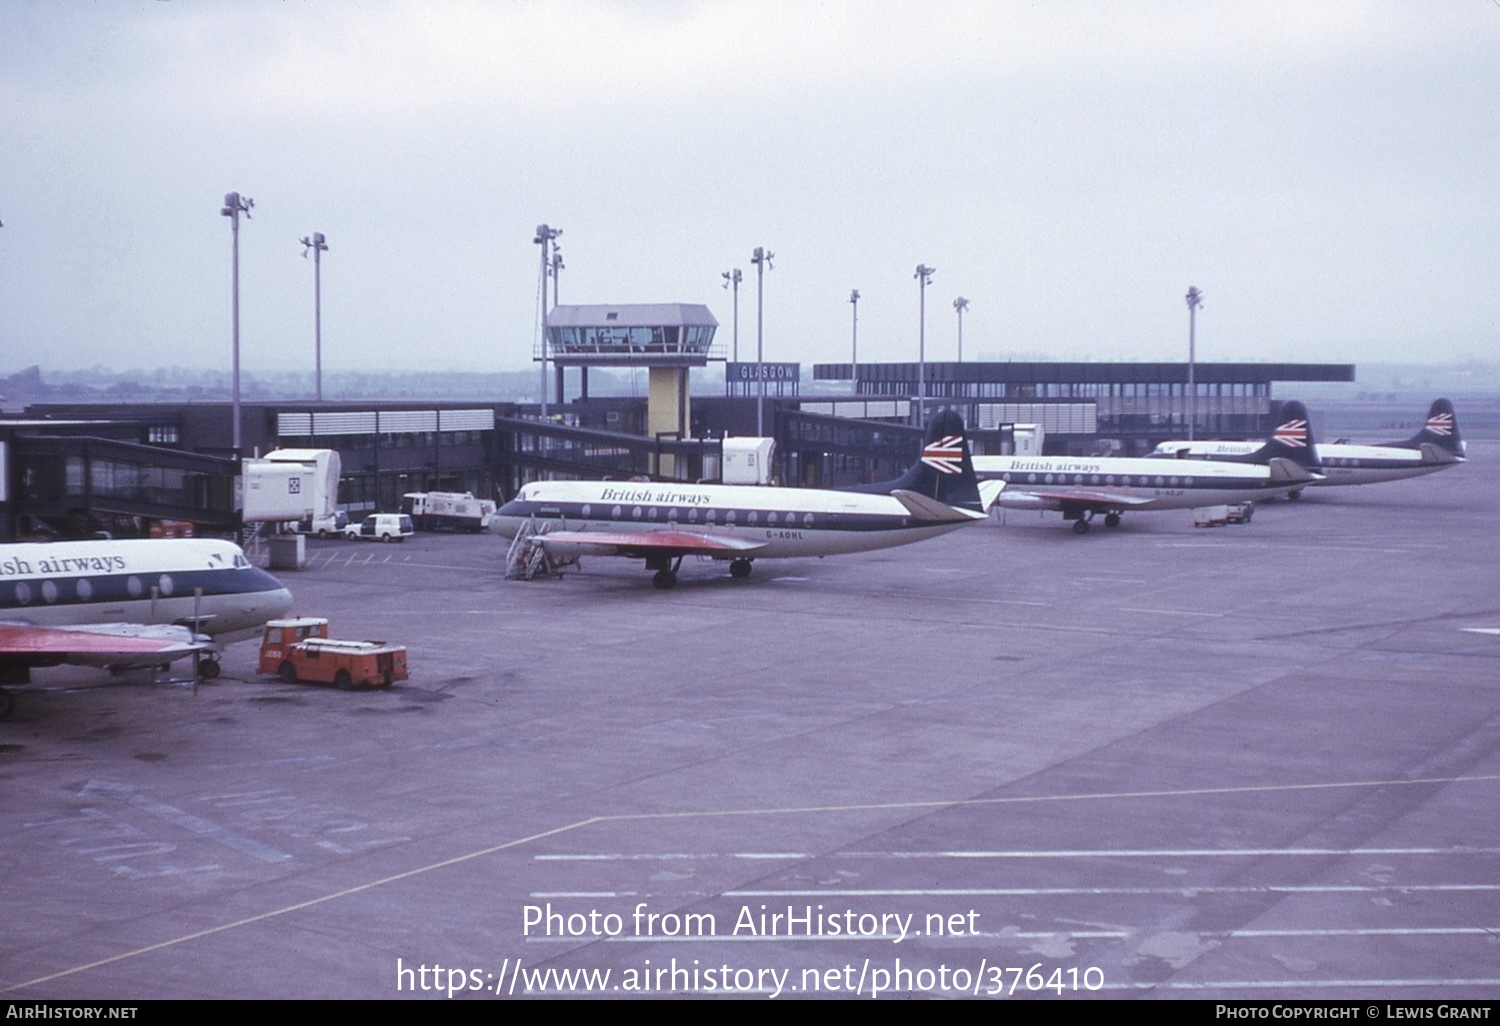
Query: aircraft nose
(279, 603)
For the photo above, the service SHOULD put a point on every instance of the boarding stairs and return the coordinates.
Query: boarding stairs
(527, 558)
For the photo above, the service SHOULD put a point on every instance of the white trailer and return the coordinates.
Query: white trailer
(453, 511)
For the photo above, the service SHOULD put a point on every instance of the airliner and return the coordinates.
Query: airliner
(1081, 486)
(661, 522)
(1436, 446)
(125, 603)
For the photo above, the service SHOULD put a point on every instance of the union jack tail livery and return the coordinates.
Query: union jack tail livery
(944, 472)
(1441, 430)
(1291, 439)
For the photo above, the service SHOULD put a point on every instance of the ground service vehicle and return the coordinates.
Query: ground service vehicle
(382, 527)
(300, 651)
(1217, 516)
(456, 511)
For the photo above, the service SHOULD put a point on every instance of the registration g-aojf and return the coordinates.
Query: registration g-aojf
(593, 923)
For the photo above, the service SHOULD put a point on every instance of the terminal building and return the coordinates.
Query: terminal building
(72, 469)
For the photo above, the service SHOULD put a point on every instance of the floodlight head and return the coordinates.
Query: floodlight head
(1194, 297)
(854, 296)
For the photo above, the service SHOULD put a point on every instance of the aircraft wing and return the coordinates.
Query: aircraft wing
(1082, 497)
(641, 544)
(98, 644)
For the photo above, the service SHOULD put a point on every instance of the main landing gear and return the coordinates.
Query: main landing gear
(1081, 521)
(666, 571)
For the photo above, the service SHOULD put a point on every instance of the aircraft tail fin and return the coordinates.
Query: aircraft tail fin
(1292, 440)
(944, 471)
(1439, 439)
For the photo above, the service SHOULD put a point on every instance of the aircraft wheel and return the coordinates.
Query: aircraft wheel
(343, 681)
(288, 673)
(664, 579)
(7, 703)
(1080, 527)
(208, 669)
(1112, 520)
(739, 568)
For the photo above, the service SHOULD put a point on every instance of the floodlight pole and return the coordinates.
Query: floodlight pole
(924, 278)
(317, 244)
(555, 265)
(234, 206)
(854, 345)
(544, 237)
(960, 304)
(1194, 301)
(761, 258)
(732, 278)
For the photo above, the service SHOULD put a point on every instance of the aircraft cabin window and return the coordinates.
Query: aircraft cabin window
(635, 514)
(651, 513)
(729, 518)
(1161, 482)
(807, 520)
(84, 588)
(23, 593)
(693, 515)
(49, 591)
(752, 518)
(134, 587)
(672, 515)
(771, 519)
(614, 514)
(711, 516)
(587, 508)
(165, 583)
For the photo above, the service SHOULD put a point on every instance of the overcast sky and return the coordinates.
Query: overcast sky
(1328, 173)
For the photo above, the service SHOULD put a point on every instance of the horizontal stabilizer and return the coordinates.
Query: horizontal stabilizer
(1291, 472)
(989, 492)
(1437, 455)
(932, 511)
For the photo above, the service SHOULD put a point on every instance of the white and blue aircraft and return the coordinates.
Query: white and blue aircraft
(1436, 446)
(1079, 487)
(127, 603)
(661, 522)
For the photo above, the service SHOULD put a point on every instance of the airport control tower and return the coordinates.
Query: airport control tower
(667, 338)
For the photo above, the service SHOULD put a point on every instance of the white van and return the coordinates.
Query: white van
(382, 527)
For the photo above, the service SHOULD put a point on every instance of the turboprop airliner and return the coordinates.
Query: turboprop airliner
(126, 603)
(1080, 487)
(1437, 446)
(661, 522)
